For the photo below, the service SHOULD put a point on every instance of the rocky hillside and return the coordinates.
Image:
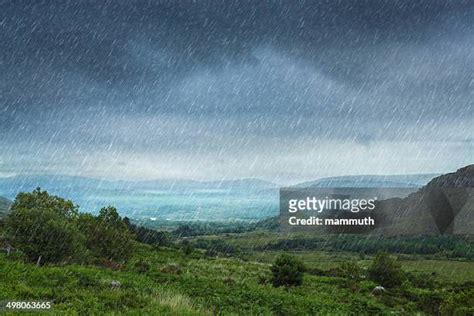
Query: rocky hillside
(462, 178)
(444, 206)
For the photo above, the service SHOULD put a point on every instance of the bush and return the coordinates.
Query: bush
(47, 228)
(186, 247)
(351, 270)
(42, 227)
(263, 279)
(386, 271)
(142, 266)
(458, 303)
(107, 236)
(421, 280)
(287, 271)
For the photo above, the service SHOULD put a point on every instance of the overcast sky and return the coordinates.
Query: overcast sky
(283, 90)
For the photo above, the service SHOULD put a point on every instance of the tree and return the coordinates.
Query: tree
(48, 228)
(148, 235)
(287, 271)
(42, 226)
(184, 231)
(43, 200)
(386, 271)
(107, 236)
(111, 219)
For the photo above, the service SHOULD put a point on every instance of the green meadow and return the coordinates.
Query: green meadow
(169, 281)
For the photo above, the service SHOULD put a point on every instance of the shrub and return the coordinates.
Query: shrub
(107, 236)
(386, 271)
(142, 266)
(186, 247)
(263, 279)
(458, 303)
(351, 270)
(287, 271)
(42, 227)
(422, 280)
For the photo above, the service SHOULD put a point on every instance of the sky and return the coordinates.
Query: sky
(284, 91)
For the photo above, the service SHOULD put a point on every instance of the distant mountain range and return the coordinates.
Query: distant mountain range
(62, 184)
(12, 185)
(178, 199)
(370, 181)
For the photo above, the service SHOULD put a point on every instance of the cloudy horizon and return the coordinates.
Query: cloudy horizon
(285, 92)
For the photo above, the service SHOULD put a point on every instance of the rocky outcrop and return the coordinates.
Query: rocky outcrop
(462, 178)
(444, 206)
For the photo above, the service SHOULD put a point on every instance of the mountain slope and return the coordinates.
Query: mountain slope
(444, 206)
(463, 177)
(370, 181)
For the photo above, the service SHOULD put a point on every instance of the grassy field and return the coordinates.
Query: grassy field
(167, 281)
(445, 270)
(457, 271)
(178, 284)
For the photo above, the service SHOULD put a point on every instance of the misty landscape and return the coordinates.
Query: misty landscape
(150, 151)
(187, 200)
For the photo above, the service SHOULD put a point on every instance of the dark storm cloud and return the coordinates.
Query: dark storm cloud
(96, 38)
(148, 77)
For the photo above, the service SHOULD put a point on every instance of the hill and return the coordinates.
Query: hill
(462, 178)
(370, 181)
(444, 206)
(414, 204)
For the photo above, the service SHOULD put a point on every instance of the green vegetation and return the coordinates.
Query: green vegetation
(47, 228)
(386, 271)
(287, 271)
(352, 270)
(87, 289)
(148, 235)
(435, 247)
(103, 264)
(106, 235)
(198, 228)
(445, 245)
(168, 281)
(37, 222)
